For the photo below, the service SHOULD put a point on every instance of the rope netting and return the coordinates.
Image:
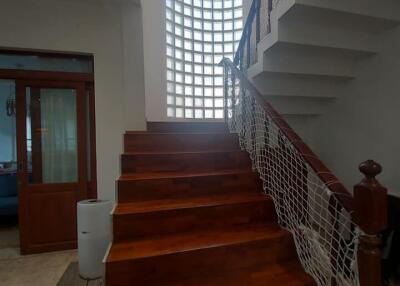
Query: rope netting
(324, 234)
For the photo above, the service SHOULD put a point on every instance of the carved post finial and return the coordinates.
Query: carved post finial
(370, 213)
(370, 169)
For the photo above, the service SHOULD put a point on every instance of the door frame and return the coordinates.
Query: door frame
(52, 77)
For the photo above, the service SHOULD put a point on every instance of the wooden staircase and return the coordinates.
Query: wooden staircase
(190, 211)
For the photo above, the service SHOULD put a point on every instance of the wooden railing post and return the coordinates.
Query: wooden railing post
(370, 213)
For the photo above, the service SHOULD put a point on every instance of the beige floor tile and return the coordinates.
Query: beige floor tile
(35, 270)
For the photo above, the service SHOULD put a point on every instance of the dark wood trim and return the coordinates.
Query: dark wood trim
(331, 181)
(36, 135)
(45, 53)
(90, 92)
(45, 75)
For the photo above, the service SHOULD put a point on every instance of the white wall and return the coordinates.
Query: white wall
(365, 122)
(113, 34)
(154, 44)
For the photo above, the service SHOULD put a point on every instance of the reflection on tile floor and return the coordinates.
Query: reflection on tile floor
(35, 270)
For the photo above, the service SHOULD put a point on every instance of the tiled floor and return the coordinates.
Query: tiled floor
(30, 270)
(35, 270)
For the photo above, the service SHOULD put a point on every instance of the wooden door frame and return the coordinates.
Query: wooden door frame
(87, 79)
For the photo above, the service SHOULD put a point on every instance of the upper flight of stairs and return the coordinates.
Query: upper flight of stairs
(314, 47)
(190, 211)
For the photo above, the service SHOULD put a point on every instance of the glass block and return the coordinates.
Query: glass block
(189, 113)
(219, 113)
(188, 45)
(208, 70)
(179, 112)
(198, 102)
(178, 7)
(179, 101)
(219, 102)
(198, 58)
(197, 24)
(207, 15)
(208, 113)
(198, 36)
(198, 113)
(218, 26)
(178, 19)
(188, 79)
(217, 4)
(188, 56)
(208, 80)
(168, 15)
(207, 25)
(179, 89)
(187, 10)
(208, 102)
(198, 91)
(208, 48)
(197, 3)
(207, 4)
(198, 80)
(198, 69)
(208, 91)
(189, 90)
(170, 100)
(238, 13)
(189, 101)
(228, 15)
(170, 112)
(188, 68)
(187, 22)
(197, 13)
(198, 47)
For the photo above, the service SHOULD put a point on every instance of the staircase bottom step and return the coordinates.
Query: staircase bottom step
(187, 256)
(289, 273)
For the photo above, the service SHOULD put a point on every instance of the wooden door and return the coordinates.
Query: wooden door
(52, 162)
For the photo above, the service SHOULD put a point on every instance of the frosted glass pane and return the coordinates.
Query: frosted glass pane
(54, 113)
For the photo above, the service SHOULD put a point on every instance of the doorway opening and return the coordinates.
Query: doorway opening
(47, 153)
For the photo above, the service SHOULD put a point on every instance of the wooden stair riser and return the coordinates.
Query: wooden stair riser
(160, 270)
(186, 187)
(145, 142)
(187, 127)
(184, 162)
(133, 226)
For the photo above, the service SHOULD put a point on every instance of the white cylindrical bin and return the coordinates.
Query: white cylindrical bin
(94, 236)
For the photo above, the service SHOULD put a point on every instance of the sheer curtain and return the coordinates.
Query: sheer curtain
(59, 135)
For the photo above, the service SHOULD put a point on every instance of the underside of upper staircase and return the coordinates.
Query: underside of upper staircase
(313, 48)
(190, 211)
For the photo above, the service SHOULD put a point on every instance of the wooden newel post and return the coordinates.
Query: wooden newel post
(370, 213)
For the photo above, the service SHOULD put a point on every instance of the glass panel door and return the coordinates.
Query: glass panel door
(51, 124)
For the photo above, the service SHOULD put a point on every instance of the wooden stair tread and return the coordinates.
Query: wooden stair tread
(184, 242)
(288, 273)
(202, 201)
(183, 152)
(181, 174)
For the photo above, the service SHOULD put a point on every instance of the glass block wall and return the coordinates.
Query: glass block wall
(199, 34)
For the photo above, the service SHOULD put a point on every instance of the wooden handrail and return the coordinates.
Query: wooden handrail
(326, 176)
(253, 12)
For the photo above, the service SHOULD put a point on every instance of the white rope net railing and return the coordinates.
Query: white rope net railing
(325, 237)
